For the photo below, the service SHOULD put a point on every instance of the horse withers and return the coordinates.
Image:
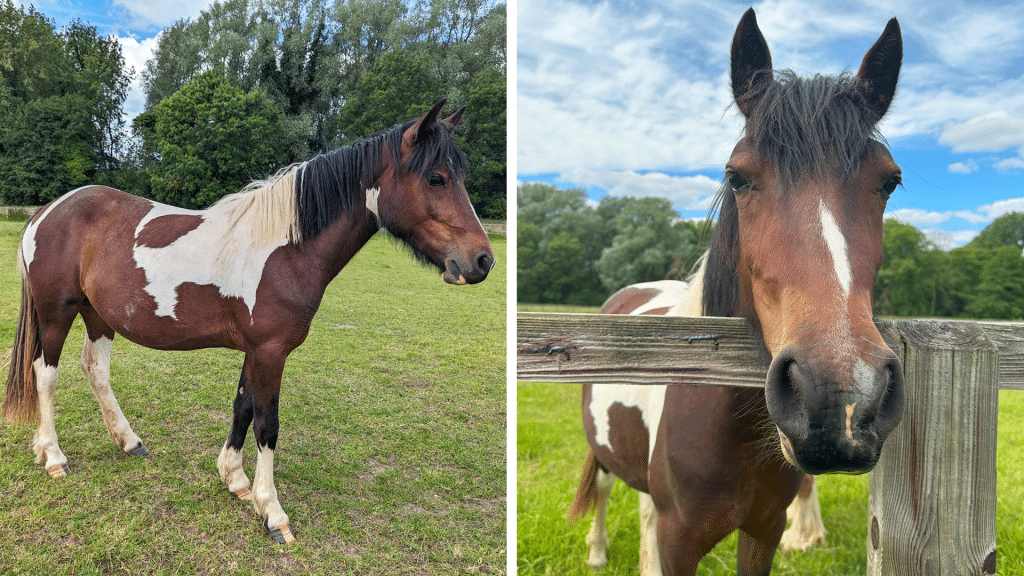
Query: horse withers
(796, 249)
(248, 273)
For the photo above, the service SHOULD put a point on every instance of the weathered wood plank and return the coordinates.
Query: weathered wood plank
(603, 348)
(932, 502)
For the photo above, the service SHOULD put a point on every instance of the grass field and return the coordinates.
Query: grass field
(550, 450)
(391, 457)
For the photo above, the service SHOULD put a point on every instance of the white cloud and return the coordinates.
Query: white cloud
(686, 192)
(963, 167)
(1000, 207)
(147, 14)
(135, 55)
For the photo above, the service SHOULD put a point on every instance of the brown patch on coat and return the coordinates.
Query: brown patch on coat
(162, 231)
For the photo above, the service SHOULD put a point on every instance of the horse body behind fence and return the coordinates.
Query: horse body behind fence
(247, 273)
(795, 250)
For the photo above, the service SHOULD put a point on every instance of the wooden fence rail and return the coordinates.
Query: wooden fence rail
(932, 502)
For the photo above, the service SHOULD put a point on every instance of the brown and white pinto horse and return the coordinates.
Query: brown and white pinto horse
(247, 273)
(796, 250)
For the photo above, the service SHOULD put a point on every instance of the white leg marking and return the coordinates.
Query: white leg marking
(264, 497)
(45, 442)
(96, 365)
(806, 527)
(650, 558)
(836, 243)
(649, 399)
(597, 538)
(229, 464)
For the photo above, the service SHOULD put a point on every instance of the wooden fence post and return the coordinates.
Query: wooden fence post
(932, 504)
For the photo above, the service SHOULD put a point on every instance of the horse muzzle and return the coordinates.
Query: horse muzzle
(457, 271)
(829, 422)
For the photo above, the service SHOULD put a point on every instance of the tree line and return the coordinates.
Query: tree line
(570, 252)
(246, 88)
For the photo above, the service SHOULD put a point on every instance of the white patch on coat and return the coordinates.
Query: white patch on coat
(372, 194)
(836, 243)
(649, 399)
(28, 240)
(228, 249)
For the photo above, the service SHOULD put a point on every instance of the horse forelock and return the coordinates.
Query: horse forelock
(810, 127)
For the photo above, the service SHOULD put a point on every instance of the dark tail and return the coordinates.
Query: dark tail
(586, 493)
(21, 403)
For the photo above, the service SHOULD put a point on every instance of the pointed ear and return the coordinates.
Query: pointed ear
(881, 68)
(455, 118)
(751, 62)
(427, 122)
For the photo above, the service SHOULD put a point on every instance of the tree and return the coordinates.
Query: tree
(60, 105)
(907, 282)
(212, 139)
(648, 238)
(1007, 230)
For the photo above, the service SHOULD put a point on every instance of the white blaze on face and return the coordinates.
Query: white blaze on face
(214, 253)
(649, 399)
(836, 243)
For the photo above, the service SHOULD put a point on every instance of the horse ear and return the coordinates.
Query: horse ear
(455, 118)
(881, 68)
(429, 119)
(751, 62)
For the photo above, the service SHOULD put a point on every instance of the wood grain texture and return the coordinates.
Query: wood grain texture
(932, 502)
(611, 348)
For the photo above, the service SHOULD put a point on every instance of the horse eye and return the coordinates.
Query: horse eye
(889, 186)
(737, 183)
(436, 180)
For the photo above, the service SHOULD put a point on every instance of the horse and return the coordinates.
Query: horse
(795, 251)
(248, 273)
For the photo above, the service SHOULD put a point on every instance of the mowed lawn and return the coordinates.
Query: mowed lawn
(550, 451)
(391, 456)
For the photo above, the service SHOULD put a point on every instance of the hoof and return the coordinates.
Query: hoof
(282, 535)
(243, 493)
(139, 450)
(58, 470)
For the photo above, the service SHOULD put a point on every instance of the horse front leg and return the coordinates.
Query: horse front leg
(266, 388)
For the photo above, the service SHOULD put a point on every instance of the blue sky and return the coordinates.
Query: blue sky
(632, 98)
(134, 23)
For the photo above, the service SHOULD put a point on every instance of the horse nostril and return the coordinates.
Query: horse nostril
(484, 262)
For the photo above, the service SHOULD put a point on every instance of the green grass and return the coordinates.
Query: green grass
(550, 455)
(390, 458)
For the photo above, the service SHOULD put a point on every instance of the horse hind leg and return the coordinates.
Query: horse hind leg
(597, 538)
(95, 363)
(807, 527)
(229, 463)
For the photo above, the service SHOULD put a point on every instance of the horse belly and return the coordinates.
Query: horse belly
(618, 421)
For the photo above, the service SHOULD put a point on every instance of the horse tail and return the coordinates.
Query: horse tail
(586, 493)
(21, 403)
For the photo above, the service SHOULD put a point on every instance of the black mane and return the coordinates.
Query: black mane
(807, 128)
(335, 182)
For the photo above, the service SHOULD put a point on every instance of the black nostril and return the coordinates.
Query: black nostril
(484, 262)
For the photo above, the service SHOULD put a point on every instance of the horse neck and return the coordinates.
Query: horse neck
(332, 249)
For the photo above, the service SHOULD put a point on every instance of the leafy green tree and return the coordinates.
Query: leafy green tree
(482, 137)
(647, 240)
(1006, 230)
(61, 93)
(907, 282)
(212, 139)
